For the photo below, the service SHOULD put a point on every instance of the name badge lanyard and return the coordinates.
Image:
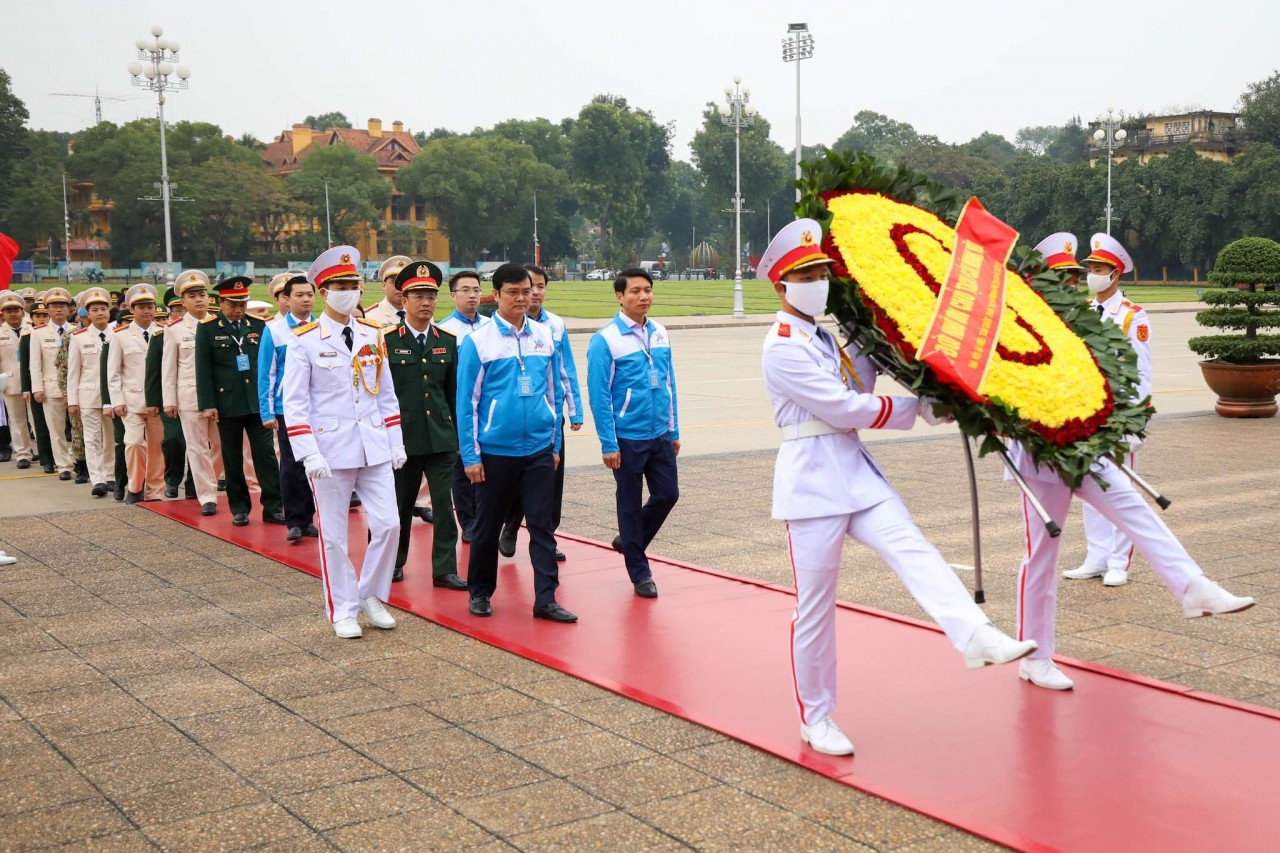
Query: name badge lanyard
(643, 332)
(242, 360)
(526, 381)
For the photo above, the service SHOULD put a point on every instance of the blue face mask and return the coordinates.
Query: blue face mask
(82, 313)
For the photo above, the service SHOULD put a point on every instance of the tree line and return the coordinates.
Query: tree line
(609, 189)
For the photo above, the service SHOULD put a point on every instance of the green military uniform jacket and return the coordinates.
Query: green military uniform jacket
(220, 384)
(426, 382)
(151, 380)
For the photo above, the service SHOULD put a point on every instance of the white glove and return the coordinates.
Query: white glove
(317, 468)
(398, 457)
(924, 408)
(3, 377)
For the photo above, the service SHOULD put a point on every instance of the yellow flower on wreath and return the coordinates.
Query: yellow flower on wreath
(890, 247)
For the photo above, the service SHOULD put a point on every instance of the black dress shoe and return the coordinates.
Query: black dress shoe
(210, 508)
(507, 542)
(560, 557)
(398, 574)
(466, 537)
(118, 492)
(81, 479)
(426, 513)
(52, 469)
(170, 491)
(647, 589)
(480, 606)
(311, 530)
(64, 475)
(553, 612)
(240, 519)
(294, 534)
(617, 544)
(355, 501)
(133, 498)
(274, 518)
(98, 490)
(451, 581)
(6, 455)
(24, 464)
(222, 485)
(190, 496)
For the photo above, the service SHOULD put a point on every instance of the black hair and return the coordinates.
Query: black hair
(534, 269)
(461, 274)
(287, 291)
(620, 283)
(509, 274)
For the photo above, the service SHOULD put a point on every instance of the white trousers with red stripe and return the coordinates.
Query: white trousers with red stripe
(343, 591)
(1121, 505)
(1108, 547)
(815, 545)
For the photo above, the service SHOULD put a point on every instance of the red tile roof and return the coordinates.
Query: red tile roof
(391, 150)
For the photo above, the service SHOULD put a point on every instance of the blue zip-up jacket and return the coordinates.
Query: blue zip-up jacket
(492, 415)
(568, 370)
(271, 353)
(625, 402)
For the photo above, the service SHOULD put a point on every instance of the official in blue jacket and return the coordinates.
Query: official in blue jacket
(632, 387)
(509, 399)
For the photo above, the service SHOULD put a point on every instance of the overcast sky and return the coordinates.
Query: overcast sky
(953, 68)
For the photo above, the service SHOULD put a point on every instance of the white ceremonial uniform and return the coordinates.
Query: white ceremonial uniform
(1121, 505)
(126, 380)
(1108, 547)
(84, 389)
(178, 390)
(384, 314)
(827, 487)
(21, 416)
(45, 343)
(330, 410)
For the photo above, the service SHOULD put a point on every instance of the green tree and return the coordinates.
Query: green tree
(1255, 190)
(951, 165)
(422, 137)
(1260, 110)
(13, 118)
(324, 121)
(876, 133)
(358, 194)
(31, 212)
(1072, 143)
(682, 211)
(231, 197)
(1036, 140)
(547, 139)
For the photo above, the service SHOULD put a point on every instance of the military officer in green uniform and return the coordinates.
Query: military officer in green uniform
(424, 369)
(227, 391)
(174, 443)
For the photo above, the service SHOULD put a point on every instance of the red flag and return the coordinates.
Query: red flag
(8, 251)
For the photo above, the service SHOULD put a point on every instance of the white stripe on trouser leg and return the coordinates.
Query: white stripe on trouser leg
(1124, 507)
(815, 545)
(1108, 546)
(332, 497)
(1038, 574)
(376, 487)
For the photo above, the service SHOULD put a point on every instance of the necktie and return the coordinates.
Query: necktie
(348, 336)
(1100, 311)
(422, 340)
(102, 336)
(400, 314)
(146, 337)
(60, 331)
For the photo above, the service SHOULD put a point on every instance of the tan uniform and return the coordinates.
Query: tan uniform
(84, 390)
(45, 342)
(178, 389)
(21, 416)
(126, 379)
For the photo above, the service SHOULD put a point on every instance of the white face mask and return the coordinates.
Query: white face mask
(1098, 282)
(342, 301)
(808, 297)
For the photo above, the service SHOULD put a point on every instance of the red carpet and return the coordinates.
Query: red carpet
(1121, 763)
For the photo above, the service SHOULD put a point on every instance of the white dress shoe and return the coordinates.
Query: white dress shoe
(347, 629)
(1205, 598)
(1115, 577)
(825, 737)
(6, 560)
(991, 645)
(377, 614)
(1043, 672)
(1085, 572)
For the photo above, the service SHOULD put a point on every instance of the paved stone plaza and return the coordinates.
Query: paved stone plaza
(160, 688)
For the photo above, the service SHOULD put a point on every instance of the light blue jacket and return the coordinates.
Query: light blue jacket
(271, 353)
(568, 370)
(493, 416)
(625, 401)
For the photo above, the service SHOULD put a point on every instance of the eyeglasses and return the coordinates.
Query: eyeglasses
(468, 291)
(517, 294)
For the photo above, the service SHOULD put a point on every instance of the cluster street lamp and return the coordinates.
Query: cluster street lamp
(738, 112)
(795, 47)
(1111, 138)
(155, 65)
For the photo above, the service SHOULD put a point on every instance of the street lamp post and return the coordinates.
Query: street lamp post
(156, 63)
(1110, 139)
(795, 47)
(738, 112)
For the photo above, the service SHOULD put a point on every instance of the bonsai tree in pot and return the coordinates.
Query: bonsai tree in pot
(1243, 369)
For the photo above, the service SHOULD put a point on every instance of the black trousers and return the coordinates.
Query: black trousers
(232, 431)
(464, 498)
(515, 515)
(117, 433)
(44, 447)
(295, 491)
(173, 446)
(651, 461)
(438, 469)
(531, 478)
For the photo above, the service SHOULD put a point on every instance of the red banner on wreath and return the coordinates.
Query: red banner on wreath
(962, 335)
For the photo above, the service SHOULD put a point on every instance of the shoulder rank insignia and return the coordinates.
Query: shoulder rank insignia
(303, 328)
(79, 331)
(374, 323)
(209, 318)
(158, 332)
(175, 321)
(784, 330)
(446, 331)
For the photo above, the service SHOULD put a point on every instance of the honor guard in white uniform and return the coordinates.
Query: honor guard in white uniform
(15, 327)
(389, 312)
(827, 488)
(343, 422)
(1110, 552)
(46, 341)
(126, 380)
(84, 386)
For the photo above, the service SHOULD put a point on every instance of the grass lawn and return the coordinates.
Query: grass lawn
(595, 300)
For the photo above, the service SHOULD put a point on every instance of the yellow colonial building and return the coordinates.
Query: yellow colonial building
(89, 219)
(1210, 134)
(402, 219)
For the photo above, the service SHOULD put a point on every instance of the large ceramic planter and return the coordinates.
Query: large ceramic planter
(1244, 390)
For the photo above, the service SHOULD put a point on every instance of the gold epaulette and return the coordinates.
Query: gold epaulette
(446, 331)
(78, 331)
(305, 327)
(374, 323)
(175, 321)
(1126, 303)
(158, 332)
(209, 318)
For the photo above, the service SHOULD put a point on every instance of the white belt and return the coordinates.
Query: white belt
(808, 429)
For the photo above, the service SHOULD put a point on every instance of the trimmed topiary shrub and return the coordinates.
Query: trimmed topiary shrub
(1241, 267)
